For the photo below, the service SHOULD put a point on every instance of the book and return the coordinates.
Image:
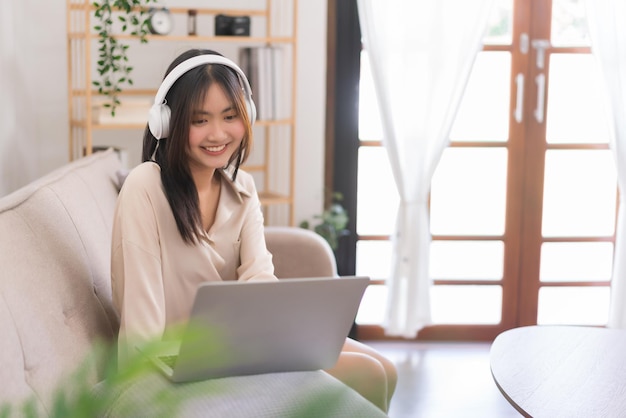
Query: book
(268, 73)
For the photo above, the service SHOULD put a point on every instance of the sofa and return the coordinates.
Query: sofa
(56, 308)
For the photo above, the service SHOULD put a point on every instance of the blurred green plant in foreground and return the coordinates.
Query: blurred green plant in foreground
(138, 389)
(76, 397)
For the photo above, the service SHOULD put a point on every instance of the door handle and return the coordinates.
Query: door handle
(519, 99)
(541, 92)
(541, 45)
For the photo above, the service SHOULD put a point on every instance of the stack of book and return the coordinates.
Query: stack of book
(132, 110)
(267, 73)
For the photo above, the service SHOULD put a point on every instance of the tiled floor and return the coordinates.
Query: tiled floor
(444, 380)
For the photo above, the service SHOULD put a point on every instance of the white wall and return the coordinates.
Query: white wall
(33, 79)
(33, 109)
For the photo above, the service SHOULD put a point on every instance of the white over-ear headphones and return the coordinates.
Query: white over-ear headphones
(160, 113)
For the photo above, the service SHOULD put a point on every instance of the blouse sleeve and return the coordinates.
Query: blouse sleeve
(136, 275)
(256, 260)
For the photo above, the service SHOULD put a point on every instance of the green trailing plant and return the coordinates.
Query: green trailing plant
(333, 222)
(113, 65)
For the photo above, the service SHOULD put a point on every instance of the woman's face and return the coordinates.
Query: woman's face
(216, 131)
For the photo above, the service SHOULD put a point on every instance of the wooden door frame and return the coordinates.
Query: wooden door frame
(526, 148)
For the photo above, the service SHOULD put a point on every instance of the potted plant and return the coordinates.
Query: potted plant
(333, 222)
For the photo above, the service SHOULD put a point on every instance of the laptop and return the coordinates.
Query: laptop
(243, 328)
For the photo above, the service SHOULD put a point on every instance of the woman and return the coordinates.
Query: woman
(187, 214)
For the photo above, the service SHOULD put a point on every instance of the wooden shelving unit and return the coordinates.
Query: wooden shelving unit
(82, 95)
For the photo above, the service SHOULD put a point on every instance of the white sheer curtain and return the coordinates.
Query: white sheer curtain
(421, 54)
(608, 44)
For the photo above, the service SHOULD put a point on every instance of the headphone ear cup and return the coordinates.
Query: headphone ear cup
(159, 120)
(251, 110)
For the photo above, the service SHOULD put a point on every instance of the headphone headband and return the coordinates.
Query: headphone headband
(194, 62)
(159, 117)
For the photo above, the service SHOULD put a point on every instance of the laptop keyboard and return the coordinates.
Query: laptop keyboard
(169, 360)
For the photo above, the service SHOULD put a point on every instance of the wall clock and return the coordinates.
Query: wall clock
(160, 21)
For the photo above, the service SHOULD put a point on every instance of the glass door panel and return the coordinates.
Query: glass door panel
(378, 197)
(576, 261)
(580, 193)
(466, 260)
(573, 305)
(500, 24)
(575, 112)
(579, 184)
(569, 24)
(371, 311)
(459, 304)
(468, 192)
(484, 109)
(373, 258)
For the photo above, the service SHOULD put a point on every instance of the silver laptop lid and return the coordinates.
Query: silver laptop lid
(241, 328)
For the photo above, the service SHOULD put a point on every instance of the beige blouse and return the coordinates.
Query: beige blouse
(154, 273)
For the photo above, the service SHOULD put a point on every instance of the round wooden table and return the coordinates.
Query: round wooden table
(562, 371)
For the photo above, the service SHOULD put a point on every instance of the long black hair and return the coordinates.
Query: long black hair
(171, 153)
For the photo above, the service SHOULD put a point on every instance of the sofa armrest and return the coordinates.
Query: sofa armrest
(299, 252)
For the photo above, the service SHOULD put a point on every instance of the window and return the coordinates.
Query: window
(523, 202)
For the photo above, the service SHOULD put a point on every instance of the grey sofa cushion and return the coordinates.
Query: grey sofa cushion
(275, 395)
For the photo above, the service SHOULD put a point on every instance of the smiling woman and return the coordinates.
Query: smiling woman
(187, 215)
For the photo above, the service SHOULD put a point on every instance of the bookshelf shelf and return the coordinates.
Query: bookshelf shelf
(195, 38)
(141, 126)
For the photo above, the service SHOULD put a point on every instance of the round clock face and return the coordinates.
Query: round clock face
(160, 22)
